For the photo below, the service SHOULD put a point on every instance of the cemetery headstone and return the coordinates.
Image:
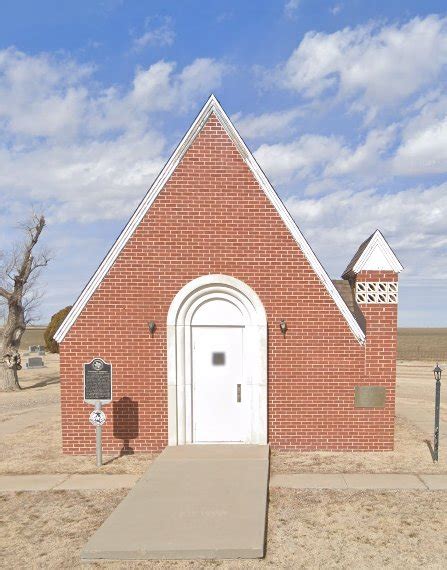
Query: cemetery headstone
(35, 362)
(34, 348)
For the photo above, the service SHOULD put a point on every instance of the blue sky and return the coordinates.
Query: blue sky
(343, 104)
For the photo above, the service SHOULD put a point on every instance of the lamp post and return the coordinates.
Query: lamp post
(437, 372)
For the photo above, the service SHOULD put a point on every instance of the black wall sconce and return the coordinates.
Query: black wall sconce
(283, 327)
(152, 326)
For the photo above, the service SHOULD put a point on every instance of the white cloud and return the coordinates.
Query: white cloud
(319, 160)
(88, 152)
(160, 36)
(44, 97)
(367, 157)
(423, 149)
(301, 158)
(40, 96)
(371, 65)
(267, 124)
(85, 181)
(424, 153)
(290, 7)
(414, 221)
(336, 9)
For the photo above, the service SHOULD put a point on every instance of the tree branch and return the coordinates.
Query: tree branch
(34, 231)
(4, 293)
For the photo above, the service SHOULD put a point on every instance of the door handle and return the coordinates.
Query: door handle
(238, 393)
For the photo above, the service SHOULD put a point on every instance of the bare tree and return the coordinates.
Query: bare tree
(18, 275)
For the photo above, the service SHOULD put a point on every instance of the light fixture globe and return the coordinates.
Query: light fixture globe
(283, 327)
(152, 326)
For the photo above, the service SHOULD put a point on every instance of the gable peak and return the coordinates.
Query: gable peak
(374, 254)
(212, 105)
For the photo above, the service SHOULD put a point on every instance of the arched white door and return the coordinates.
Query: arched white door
(219, 404)
(217, 363)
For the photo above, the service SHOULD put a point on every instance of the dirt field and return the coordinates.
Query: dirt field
(422, 344)
(413, 343)
(306, 529)
(32, 335)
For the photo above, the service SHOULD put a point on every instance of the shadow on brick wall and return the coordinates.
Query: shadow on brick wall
(125, 423)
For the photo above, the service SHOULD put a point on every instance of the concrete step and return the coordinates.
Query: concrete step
(193, 502)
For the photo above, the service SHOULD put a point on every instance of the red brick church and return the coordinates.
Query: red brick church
(220, 323)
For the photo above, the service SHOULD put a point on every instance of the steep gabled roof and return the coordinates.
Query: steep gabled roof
(373, 254)
(211, 106)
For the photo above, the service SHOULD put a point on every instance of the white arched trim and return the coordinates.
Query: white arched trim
(180, 316)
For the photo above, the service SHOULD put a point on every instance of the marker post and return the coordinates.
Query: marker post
(98, 437)
(98, 391)
(98, 419)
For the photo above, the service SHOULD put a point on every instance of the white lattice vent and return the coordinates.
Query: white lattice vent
(376, 292)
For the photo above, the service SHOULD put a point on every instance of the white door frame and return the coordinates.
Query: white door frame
(180, 315)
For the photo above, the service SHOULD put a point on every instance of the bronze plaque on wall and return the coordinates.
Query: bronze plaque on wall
(370, 396)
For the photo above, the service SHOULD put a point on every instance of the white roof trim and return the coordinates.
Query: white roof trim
(211, 106)
(377, 241)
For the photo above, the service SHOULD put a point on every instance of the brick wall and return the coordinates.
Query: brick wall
(212, 217)
(380, 355)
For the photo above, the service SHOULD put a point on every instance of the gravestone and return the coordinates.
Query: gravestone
(34, 348)
(97, 381)
(35, 362)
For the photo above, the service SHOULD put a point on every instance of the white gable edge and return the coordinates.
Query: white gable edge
(212, 105)
(378, 242)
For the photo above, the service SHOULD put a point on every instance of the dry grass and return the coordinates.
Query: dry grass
(422, 344)
(40, 386)
(411, 455)
(306, 529)
(38, 449)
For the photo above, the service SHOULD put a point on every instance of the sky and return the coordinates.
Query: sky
(343, 104)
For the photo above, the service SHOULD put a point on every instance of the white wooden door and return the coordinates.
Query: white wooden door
(218, 391)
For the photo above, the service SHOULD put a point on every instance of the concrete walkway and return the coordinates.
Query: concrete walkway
(364, 481)
(66, 482)
(194, 502)
(352, 481)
